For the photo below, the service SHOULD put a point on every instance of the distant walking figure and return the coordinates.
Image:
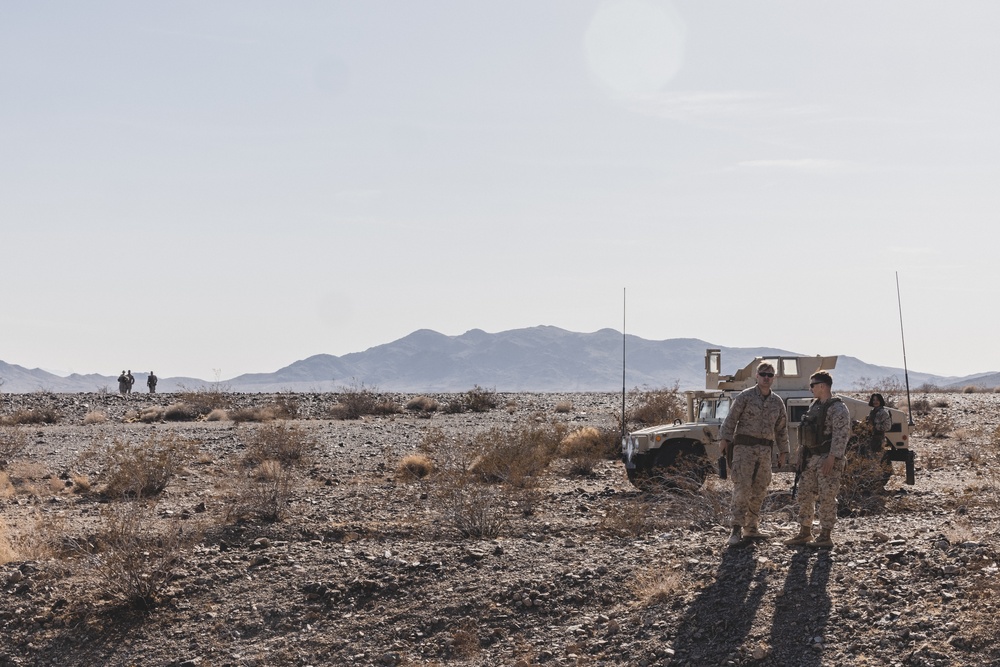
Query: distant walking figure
(151, 382)
(131, 380)
(123, 385)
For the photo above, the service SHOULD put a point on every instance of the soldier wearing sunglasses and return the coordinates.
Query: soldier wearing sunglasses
(755, 425)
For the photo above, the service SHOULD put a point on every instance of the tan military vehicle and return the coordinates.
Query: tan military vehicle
(690, 449)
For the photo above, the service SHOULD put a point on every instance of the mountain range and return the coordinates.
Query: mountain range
(542, 358)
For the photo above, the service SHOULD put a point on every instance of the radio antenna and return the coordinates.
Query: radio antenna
(623, 362)
(906, 373)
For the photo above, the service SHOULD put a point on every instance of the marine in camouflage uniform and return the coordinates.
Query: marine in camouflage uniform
(822, 465)
(880, 422)
(755, 423)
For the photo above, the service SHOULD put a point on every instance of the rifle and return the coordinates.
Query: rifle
(798, 474)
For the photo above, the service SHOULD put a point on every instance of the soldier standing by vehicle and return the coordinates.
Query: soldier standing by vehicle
(880, 421)
(823, 436)
(151, 382)
(756, 421)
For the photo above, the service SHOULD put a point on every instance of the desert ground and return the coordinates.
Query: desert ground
(338, 555)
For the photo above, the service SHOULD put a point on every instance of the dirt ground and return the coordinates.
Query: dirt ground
(365, 567)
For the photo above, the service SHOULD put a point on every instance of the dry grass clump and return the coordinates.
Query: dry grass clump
(95, 417)
(30, 416)
(658, 586)
(970, 389)
(7, 552)
(259, 414)
(357, 401)
(261, 493)
(414, 466)
(13, 441)
(585, 448)
(141, 470)
(133, 555)
(423, 404)
(217, 415)
(563, 407)
(180, 412)
(515, 457)
(656, 406)
(152, 414)
(288, 445)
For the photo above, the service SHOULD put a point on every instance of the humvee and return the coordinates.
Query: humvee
(692, 446)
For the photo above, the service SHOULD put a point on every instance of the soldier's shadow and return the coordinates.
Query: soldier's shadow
(802, 610)
(720, 618)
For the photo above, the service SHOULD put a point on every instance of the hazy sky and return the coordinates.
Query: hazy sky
(213, 188)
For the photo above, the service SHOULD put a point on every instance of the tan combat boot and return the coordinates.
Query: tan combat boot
(805, 534)
(735, 537)
(753, 533)
(824, 541)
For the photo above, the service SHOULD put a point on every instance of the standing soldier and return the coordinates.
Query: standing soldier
(823, 436)
(131, 381)
(756, 421)
(880, 421)
(151, 382)
(123, 385)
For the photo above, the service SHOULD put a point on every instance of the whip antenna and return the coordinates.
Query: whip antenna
(906, 373)
(623, 363)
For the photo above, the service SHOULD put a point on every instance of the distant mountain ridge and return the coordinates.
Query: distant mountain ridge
(542, 358)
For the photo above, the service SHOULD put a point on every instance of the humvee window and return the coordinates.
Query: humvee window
(722, 409)
(705, 413)
(790, 367)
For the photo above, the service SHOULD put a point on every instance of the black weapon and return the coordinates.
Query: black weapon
(795, 484)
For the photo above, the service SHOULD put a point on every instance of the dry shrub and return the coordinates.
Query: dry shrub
(257, 414)
(423, 404)
(657, 406)
(30, 416)
(203, 401)
(152, 414)
(585, 448)
(516, 457)
(180, 412)
(81, 483)
(464, 642)
(288, 445)
(970, 389)
(658, 586)
(936, 425)
(13, 441)
(286, 407)
(141, 470)
(414, 466)
(7, 552)
(133, 555)
(474, 509)
(95, 417)
(261, 493)
(922, 406)
(217, 415)
(478, 399)
(562, 407)
(861, 485)
(357, 401)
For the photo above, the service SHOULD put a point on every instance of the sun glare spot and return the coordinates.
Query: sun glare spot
(634, 47)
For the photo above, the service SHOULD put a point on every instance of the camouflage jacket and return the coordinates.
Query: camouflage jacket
(880, 419)
(837, 428)
(759, 416)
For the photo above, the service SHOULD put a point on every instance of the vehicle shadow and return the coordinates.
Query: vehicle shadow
(802, 610)
(716, 624)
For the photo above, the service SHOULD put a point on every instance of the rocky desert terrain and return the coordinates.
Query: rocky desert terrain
(340, 556)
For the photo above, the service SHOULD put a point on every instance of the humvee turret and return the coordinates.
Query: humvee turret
(691, 448)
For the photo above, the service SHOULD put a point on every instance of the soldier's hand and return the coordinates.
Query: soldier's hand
(781, 459)
(828, 464)
(724, 447)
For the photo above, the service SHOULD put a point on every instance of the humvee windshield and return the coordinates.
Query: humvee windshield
(713, 409)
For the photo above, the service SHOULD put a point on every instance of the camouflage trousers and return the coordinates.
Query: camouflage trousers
(751, 476)
(815, 488)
